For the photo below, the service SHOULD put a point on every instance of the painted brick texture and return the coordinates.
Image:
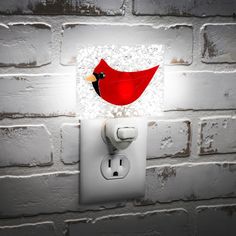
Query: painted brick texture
(213, 131)
(219, 43)
(70, 143)
(25, 44)
(41, 193)
(37, 229)
(216, 220)
(25, 146)
(200, 8)
(57, 7)
(195, 90)
(163, 182)
(176, 38)
(50, 95)
(147, 223)
(168, 138)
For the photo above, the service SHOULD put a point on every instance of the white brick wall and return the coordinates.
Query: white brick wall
(200, 90)
(191, 161)
(219, 43)
(37, 229)
(213, 131)
(176, 38)
(190, 182)
(25, 44)
(28, 145)
(70, 143)
(200, 8)
(168, 138)
(37, 95)
(224, 215)
(148, 223)
(41, 193)
(77, 7)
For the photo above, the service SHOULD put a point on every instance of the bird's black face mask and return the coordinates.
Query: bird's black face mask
(98, 77)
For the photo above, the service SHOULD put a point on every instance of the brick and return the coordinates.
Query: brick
(70, 143)
(176, 38)
(40, 193)
(54, 192)
(200, 90)
(200, 8)
(189, 182)
(217, 135)
(25, 44)
(57, 7)
(37, 95)
(27, 145)
(36, 229)
(153, 223)
(168, 138)
(218, 43)
(216, 220)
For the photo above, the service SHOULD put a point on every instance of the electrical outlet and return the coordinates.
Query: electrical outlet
(106, 176)
(115, 166)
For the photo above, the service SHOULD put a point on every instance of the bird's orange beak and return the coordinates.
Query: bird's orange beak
(91, 78)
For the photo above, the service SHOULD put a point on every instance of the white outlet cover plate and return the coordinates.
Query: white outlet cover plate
(94, 188)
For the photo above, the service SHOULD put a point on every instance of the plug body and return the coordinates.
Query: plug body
(121, 132)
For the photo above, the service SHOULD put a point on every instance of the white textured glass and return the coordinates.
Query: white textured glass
(122, 58)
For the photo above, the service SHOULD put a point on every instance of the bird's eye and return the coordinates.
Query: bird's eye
(101, 75)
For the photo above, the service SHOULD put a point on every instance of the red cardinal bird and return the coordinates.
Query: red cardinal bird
(118, 87)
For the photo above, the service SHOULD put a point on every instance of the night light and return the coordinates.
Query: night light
(125, 87)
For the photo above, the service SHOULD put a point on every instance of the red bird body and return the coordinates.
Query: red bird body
(118, 87)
